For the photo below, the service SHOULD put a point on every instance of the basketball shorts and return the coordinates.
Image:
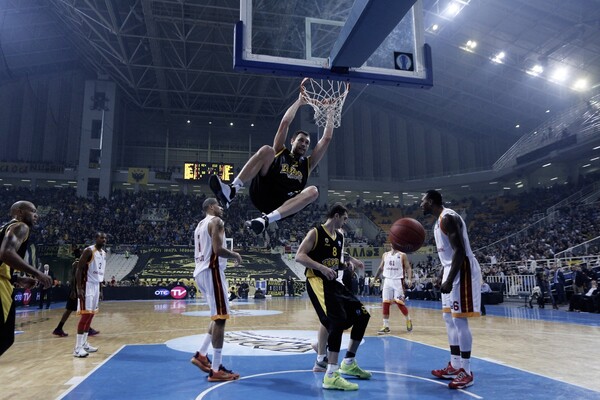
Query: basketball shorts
(7, 325)
(464, 300)
(266, 197)
(333, 302)
(91, 299)
(213, 284)
(393, 291)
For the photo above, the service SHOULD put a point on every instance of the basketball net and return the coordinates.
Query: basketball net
(326, 98)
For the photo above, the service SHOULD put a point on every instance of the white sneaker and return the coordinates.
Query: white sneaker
(79, 352)
(89, 348)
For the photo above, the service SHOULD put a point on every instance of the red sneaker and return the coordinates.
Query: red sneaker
(462, 380)
(447, 373)
(202, 362)
(222, 375)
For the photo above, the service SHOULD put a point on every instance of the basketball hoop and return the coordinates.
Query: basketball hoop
(326, 98)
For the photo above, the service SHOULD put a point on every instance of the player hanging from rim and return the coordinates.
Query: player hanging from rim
(277, 174)
(394, 267)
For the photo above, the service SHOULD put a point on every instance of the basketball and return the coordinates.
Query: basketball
(407, 235)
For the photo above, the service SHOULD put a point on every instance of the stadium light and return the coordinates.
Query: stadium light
(535, 70)
(581, 85)
(498, 58)
(560, 74)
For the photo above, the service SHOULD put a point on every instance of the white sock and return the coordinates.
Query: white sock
(455, 361)
(217, 359)
(85, 335)
(466, 365)
(79, 343)
(348, 361)
(274, 216)
(386, 323)
(237, 184)
(205, 343)
(321, 357)
(331, 368)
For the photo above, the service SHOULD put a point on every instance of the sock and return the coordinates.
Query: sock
(205, 343)
(237, 184)
(348, 360)
(273, 216)
(466, 365)
(386, 322)
(79, 343)
(217, 359)
(321, 357)
(455, 361)
(331, 368)
(85, 335)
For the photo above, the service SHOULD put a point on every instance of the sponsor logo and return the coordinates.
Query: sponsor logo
(178, 292)
(18, 296)
(27, 296)
(162, 292)
(258, 343)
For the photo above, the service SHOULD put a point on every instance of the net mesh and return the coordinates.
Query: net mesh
(326, 98)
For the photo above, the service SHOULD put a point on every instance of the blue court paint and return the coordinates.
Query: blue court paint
(513, 311)
(401, 371)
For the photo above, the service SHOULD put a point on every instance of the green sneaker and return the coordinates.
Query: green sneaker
(354, 370)
(409, 325)
(336, 382)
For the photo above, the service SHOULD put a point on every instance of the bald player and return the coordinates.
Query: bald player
(14, 237)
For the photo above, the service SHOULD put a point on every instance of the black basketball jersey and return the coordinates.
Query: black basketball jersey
(327, 251)
(5, 270)
(288, 173)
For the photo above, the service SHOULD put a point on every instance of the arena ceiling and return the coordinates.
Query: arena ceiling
(175, 57)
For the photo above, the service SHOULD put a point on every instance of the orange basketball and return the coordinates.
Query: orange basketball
(407, 235)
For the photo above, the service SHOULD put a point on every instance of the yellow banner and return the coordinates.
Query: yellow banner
(138, 175)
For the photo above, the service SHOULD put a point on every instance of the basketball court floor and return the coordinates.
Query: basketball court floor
(145, 347)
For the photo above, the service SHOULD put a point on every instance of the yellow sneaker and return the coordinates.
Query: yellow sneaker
(409, 325)
(336, 382)
(384, 331)
(354, 370)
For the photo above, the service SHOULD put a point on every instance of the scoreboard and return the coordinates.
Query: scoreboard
(200, 171)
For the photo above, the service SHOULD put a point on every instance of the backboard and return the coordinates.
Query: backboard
(366, 41)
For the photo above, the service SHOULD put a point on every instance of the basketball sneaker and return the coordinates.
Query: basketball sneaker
(79, 352)
(60, 333)
(354, 370)
(462, 380)
(223, 192)
(320, 366)
(258, 225)
(337, 382)
(202, 362)
(92, 332)
(222, 375)
(89, 348)
(447, 373)
(409, 325)
(384, 331)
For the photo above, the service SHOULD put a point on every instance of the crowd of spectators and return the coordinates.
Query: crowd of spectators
(169, 218)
